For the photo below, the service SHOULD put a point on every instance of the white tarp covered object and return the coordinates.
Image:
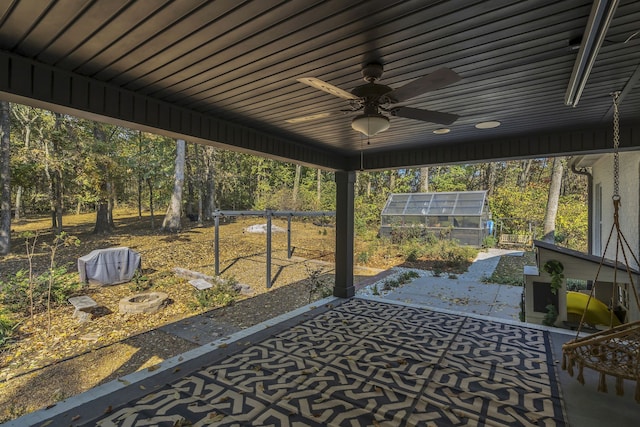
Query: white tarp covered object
(109, 266)
(262, 229)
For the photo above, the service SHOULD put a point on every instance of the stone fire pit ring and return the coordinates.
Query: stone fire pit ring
(146, 302)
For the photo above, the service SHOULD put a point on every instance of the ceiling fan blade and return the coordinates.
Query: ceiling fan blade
(326, 87)
(309, 118)
(425, 115)
(440, 78)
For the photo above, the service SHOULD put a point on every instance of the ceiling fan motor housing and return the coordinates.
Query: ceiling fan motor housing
(372, 72)
(371, 91)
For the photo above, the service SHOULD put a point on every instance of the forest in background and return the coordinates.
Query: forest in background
(61, 164)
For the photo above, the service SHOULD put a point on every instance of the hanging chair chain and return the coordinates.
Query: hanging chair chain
(616, 144)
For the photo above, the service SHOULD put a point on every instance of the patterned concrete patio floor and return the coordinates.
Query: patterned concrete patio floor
(355, 362)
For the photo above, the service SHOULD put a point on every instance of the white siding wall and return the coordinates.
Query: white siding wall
(629, 196)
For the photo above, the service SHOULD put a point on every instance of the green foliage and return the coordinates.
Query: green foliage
(15, 292)
(367, 212)
(509, 269)
(222, 294)
(408, 276)
(551, 316)
(454, 178)
(316, 283)
(507, 278)
(554, 269)
(576, 285)
(363, 257)
(452, 254)
(516, 208)
(404, 278)
(413, 255)
(402, 234)
(140, 282)
(489, 242)
(412, 250)
(375, 290)
(572, 222)
(7, 326)
(390, 284)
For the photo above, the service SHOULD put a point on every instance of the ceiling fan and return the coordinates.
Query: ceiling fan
(376, 101)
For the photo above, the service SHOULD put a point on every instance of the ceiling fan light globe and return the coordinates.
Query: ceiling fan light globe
(370, 124)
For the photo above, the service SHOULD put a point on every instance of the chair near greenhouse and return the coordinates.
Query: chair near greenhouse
(461, 215)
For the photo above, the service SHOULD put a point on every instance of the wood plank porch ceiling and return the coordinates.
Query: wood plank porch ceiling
(234, 64)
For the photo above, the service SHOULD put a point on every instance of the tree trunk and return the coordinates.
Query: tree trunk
(18, 208)
(552, 202)
(140, 178)
(56, 179)
(50, 185)
(424, 179)
(319, 190)
(171, 221)
(102, 218)
(112, 202)
(491, 178)
(199, 181)
(150, 184)
(523, 177)
(103, 222)
(296, 186)
(58, 208)
(210, 177)
(26, 119)
(5, 178)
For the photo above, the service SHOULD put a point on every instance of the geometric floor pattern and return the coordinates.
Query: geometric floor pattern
(368, 363)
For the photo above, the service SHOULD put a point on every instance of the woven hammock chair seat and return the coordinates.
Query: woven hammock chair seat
(614, 352)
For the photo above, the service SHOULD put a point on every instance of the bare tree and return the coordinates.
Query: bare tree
(5, 178)
(171, 221)
(549, 225)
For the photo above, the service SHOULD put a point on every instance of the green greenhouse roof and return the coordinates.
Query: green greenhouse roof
(436, 204)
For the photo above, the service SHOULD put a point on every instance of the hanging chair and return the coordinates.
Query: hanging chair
(616, 351)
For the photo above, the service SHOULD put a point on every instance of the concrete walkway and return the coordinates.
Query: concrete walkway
(465, 292)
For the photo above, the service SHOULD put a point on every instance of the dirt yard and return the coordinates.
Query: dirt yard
(39, 368)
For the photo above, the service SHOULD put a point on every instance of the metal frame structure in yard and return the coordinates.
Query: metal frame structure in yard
(268, 214)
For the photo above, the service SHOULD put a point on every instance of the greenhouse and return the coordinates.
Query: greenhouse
(463, 216)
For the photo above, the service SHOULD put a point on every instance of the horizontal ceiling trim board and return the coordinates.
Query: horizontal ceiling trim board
(140, 107)
(124, 108)
(561, 143)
